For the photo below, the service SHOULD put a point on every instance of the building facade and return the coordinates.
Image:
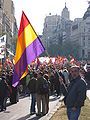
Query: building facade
(60, 29)
(50, 30)
(80, 34)
(65, 24)
(8, 23)
(57, 29)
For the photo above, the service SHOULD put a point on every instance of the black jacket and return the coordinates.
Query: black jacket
(32, 85)
(76, 93)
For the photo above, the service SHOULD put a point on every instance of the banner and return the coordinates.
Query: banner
(2, 46)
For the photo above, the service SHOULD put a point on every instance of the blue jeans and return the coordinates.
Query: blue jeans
(73, 115)
(33, 102)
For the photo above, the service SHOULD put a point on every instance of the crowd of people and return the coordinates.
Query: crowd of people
(69, 80)
(7, 90)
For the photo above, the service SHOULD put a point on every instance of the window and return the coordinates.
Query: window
(88, 55)
(83, 37)
(88, 38)
(88, 29)
(74, 27)
(84, 29)
(12, 8)
(83, 43)
(83, 53)
(0, 4)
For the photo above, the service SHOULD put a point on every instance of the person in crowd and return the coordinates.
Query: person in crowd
(47, 93)
(82, 72)
(42, 90)
(62, 78)
(76, 94)
(52, 85)
(57, 83)
(14, 96)
(4, 92)
(66, 76)
(32, 89)
(87, 75)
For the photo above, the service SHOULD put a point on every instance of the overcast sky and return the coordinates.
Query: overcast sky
(37, 10)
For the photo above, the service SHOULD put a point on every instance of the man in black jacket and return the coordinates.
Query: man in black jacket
(4, 92)
(76, 94)
(32, 89)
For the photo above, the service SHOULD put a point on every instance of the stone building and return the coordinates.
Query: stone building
(50, 30)
(60, 29)
(8, 23)
(65, 24)
(80, 34)
(57, 29)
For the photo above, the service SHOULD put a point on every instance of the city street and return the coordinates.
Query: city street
(43, 45)
(20, 111)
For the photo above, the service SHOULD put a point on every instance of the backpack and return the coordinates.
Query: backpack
(44, 87)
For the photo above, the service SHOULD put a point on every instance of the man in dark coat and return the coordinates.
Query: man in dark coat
(42, 90)
(76, 94)
(32, 89)
(4, 92)
(14, 97)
